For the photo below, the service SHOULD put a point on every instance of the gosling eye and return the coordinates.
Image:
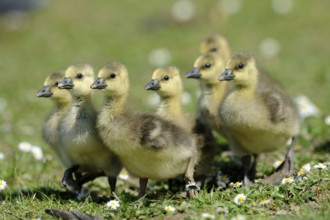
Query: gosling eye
(112, 75)
(79, 76)
(166, 77)
(56, 84)
(214, 49)
(208, 65)
(240, 66)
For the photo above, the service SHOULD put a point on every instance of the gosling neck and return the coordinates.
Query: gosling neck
(215, 90)
(170, 106)
(248, 87)
(83, 100)
(116, 104)
(62, 106)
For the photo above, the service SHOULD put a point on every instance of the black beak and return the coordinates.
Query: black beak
(152, 85)
(99, 84)
(66, 83)
(44, 92)
(194, 73)
(227, 75)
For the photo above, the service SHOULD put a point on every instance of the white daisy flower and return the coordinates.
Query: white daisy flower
(2, 156)
(277, 163)
(299, 178)
(25, 146)
(239, 199)
(327, 120)
(230, 7)
(306, 167)
(183, 10)
(238, 217)
(222, 180)
(160, 57)
(123, 174)
(169, 209)
(302, 175)
(265, 202)
(222, 210)
(269, 48)
(235, 185)
(306, 107)
(320, 166)
(113, 204)
(3, 184)
(206, 215)
(282, 6)
(37, 153)
(287, 180)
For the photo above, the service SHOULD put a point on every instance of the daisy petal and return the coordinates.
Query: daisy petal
(239, 199)
(3, 184)
(169, 209)
(113, 204)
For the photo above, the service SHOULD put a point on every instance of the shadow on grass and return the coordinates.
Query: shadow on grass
(324, 147)
(41, 194)
(48, 193)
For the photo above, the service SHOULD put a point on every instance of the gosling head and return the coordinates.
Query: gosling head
(207, 68)
(113, 79)
(166, 81)
(51, 90)
(215, 44)
(77, 79)
(241, 69)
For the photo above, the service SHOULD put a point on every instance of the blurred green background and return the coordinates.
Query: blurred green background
(290, 39)
(65, 32)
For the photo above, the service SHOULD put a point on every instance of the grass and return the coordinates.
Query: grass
(67, 32)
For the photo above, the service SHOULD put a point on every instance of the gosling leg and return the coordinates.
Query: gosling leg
(112, 183)
(143, 187)
(68, 181)
(253, 168)
(285, 169)
(191, 187)
(248, 169)
(287, 166)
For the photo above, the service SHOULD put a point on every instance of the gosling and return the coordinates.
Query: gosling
(166, 81)
(259, 115)
(147, 145)
(50, 129)
(84, 150)
(206, 70)
(62, 101)
(216, 44)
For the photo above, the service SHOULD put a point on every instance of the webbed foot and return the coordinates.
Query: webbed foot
(192, 190)
(68, 181)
